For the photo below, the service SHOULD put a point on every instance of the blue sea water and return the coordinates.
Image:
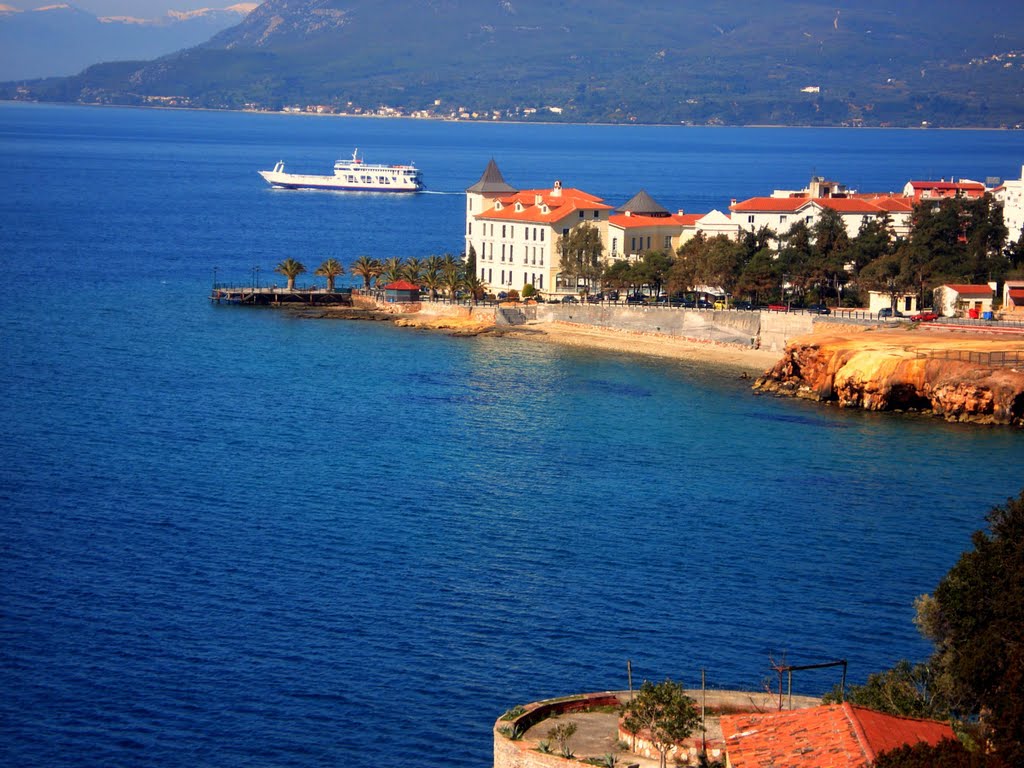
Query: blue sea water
(233, 537)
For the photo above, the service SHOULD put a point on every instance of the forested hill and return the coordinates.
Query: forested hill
(944, 62)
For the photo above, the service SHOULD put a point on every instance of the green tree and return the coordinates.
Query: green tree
(580, 255)
(476, 287)
(909, 690)
(291, 269)
(471, 260)
(391, 269)
(652, 269)
(760, 277)
(976, 620)
(562, 733)
(830, 252)
(331, 269)
(412, 270)
(946, 754)
(619, 276)
(685, 272)
(451, 279)
(795, 259)
(366, 268)
(874, 240)
(664, 713)
(890, 275)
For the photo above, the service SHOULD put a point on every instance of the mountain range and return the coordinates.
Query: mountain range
(795, 62)
(63, 39)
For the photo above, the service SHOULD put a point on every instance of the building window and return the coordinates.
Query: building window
(540, 281)
(597, 214)
(750, 219)
(632, 245)
(502, 230)
(565, 233)
(668, 242)
(469, 228)
(502, 251)
(582, 213)
(615, 245)
(782, 219)
(648, 242)
(542, 235)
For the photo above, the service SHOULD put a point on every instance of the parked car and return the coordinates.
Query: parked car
(720, 304)
(594, 298)
(745, 305)
(819, 309)
(778, 308)
(924, 317)
(681, 301)
(635, 298)
(570, 300)
(886, 312)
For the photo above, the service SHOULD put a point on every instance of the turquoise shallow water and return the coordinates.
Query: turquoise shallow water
(239, 538)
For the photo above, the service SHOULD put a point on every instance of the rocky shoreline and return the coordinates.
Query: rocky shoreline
(906, 370)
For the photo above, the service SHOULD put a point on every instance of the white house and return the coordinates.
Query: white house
(514, 233)
(1011, 195)
(1013, 296)
(960, 300)
(781, 213)
(906, 303)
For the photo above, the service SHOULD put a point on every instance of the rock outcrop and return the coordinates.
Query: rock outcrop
(906, 371)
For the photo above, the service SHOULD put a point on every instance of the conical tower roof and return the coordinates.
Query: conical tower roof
(644, 205)
(492, 182)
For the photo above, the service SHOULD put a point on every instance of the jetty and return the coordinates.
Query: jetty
(274, 296)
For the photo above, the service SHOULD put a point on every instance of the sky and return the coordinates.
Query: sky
(143, 9)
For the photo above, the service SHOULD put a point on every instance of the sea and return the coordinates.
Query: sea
(233, 537)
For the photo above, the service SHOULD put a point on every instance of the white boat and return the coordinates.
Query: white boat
(351, 174)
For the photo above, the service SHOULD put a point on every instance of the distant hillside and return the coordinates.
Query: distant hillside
(798, 62)
(64, 40)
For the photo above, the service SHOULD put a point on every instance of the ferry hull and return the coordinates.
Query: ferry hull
(298, 181)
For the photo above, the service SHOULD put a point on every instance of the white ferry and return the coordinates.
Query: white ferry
(351, 174)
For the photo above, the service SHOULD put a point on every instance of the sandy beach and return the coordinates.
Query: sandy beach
(752, 361)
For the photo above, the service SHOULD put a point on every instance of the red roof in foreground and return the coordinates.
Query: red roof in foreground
(1016, 293)
(983, 291)
(401, 285)
(829, 736)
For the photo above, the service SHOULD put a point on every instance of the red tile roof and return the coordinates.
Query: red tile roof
(983, 291)
(771, 204)
(401, 285)
(892, 203)
(559, 206)
(1017, 294)
(829, 736)
(948, 185)
(635, 221)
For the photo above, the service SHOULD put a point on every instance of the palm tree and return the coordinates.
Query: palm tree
(413, 270)
(331, 268)
(475, 286)
(291, 269)
(366, 268)
(432, 266)
(391, 269)
(432, 281)
(451, 279)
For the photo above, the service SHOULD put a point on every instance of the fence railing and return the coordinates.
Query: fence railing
(994, 358)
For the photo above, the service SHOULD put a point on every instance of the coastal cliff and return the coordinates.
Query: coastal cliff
(950, 375)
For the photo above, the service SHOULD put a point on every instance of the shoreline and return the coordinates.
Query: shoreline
(447, 119)
(743, 360)
(749, 361)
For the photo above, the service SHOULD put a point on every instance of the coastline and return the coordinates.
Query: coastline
(754, 362)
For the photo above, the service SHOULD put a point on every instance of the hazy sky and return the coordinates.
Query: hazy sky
(143, 9)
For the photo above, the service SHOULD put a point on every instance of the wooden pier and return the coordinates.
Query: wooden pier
(265, 297)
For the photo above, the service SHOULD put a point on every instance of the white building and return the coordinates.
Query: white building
(1011, 195)
(515, 232)
(781, 213)
(960, 300)
(906, 303)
